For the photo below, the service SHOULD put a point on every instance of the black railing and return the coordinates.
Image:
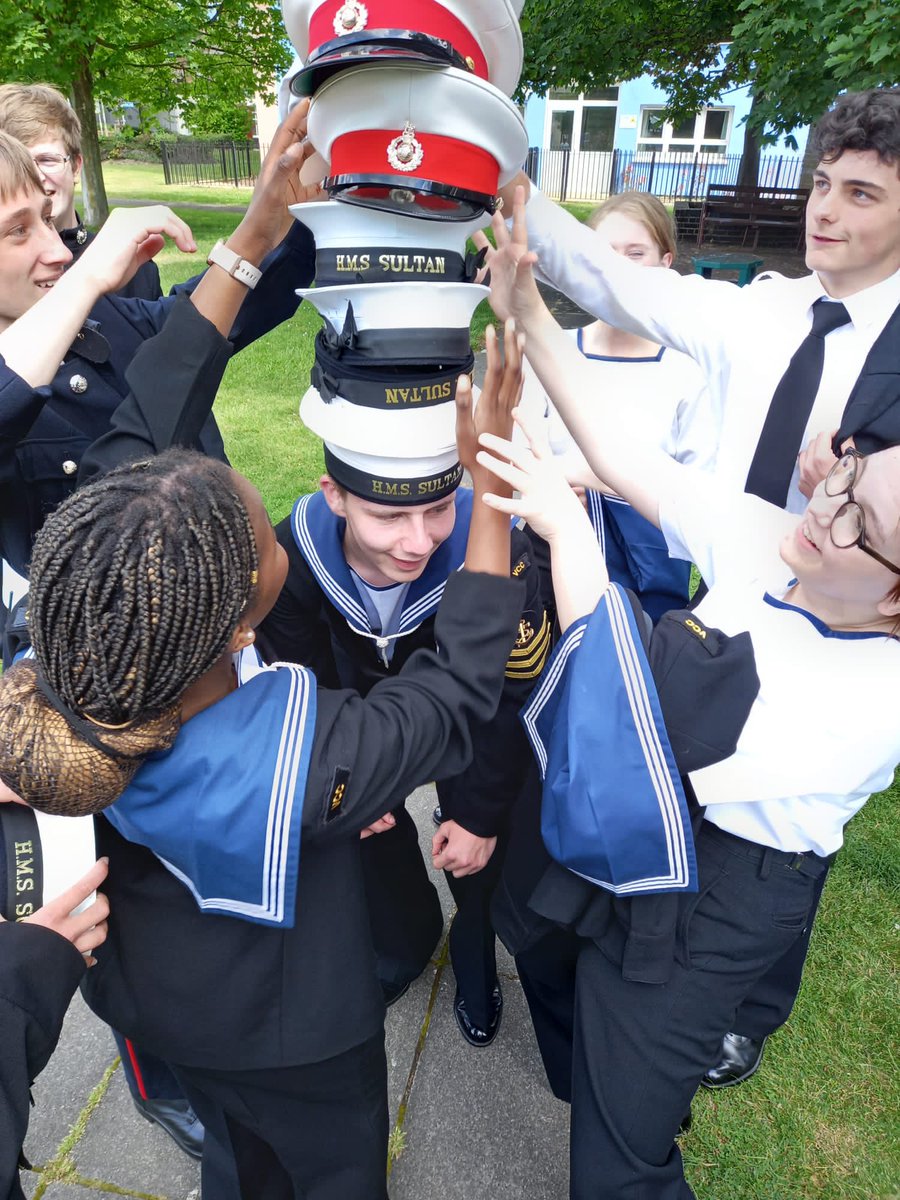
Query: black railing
(195, 161)
(593, 175)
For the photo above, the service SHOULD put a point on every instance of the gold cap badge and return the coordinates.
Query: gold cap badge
(405, 152)
(350, 18)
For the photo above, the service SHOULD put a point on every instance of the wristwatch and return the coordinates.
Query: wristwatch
(238, 268)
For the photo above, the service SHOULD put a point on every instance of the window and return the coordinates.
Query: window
(707, 133)
(585, 122)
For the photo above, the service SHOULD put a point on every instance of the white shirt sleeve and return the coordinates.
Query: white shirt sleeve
(730, 535)
(687, 312)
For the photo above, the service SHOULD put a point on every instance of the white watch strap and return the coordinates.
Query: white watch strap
(237, 267)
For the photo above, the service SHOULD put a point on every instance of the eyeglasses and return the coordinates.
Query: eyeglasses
(848, 525)
(51, 164)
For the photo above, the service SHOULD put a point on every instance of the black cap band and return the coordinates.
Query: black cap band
(396, 347)
(387, 264)
(393, 389)
(373, 45)
(22, 862)
(381, 489)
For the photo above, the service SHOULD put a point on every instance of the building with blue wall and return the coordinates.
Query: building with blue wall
(592, 143)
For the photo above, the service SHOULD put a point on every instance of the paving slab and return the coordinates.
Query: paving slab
(482, 1122)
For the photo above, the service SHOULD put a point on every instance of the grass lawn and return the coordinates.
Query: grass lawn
(821, 1120)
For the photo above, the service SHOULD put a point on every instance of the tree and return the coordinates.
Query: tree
(158, 54)
(795, 55)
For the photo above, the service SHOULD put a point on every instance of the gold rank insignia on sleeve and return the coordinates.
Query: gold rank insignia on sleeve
(530, 650)
(339, 781)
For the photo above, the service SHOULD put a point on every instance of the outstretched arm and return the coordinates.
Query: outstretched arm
(636, 471)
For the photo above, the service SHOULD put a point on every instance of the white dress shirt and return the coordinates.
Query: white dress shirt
(801, 769)
(742, 338)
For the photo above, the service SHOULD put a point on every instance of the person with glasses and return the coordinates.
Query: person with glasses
(819, 595)
(76, 379)
(780, 357)
(44, 121)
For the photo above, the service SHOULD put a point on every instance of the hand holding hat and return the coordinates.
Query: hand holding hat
(500, 393)
(267, 220)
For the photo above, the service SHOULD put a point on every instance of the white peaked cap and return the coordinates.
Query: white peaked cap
(407, 306)
(468, 134)
(352, 227)
(482, 36)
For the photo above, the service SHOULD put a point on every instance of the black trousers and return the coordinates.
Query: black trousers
(404, 910)
(472, 941)
(640, 1050)
(771, 999)
(317, 1131)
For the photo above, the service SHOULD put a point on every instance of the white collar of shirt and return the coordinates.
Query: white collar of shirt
(870, 307)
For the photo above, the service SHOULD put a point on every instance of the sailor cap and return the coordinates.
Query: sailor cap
(412, 433)
(481, 36)
(368, 245)
(435, 144)
(54, 851)
(384, 479)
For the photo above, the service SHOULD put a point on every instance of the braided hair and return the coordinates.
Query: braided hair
(137, 583)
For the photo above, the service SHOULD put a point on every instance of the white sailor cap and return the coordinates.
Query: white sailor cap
(481, 36)
(389, 479)
(398, 322)
(407, 433)
(437, 144)
(367, 245)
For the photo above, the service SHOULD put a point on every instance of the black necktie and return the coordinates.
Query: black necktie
(782, 432)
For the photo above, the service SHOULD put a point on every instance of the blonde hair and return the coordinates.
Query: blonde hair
(17, 170)
(645, 208)
(36, 112)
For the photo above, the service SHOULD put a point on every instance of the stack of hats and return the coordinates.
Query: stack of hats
(410, 112)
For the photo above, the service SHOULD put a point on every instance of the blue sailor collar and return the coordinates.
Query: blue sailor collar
(319, 536)
(222, 809)
(613, 807)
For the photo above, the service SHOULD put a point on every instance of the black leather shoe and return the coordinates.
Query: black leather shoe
(179, 1121)
(740, 1059)
(393, 991)
(473, 1035)
(438, 817)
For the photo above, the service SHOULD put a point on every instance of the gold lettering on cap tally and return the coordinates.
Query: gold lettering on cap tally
(350, 18)
(428, 392)
(405, 152)
(407, 264)
(387, 487)
(353, 262)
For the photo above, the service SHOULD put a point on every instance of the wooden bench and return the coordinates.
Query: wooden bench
(752, 210)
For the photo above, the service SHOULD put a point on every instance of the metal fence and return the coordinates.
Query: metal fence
(591, 175)
(194, 161)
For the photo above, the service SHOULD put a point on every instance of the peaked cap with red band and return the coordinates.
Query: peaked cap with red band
(481, 36)
(408, 131)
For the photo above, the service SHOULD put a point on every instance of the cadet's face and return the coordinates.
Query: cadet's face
(386, 543)
(848, 575)
(633, 240)
(273, 562)
(853, 222)
(32, 256)
(58, 185)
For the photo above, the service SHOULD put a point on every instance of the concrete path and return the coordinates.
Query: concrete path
(467, 1123)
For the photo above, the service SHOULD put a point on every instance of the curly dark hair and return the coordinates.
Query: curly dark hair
(137, 583)
(861, 121)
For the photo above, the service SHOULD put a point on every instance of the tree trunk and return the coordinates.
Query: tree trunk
(93, 189)
(748, 175)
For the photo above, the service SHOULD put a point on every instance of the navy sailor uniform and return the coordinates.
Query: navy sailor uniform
(235, 1004)
(321, 621)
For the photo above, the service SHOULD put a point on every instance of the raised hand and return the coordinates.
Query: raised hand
(514, 291)
(500, 394)
(128, 239)
(545, 500)
(267, 219)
